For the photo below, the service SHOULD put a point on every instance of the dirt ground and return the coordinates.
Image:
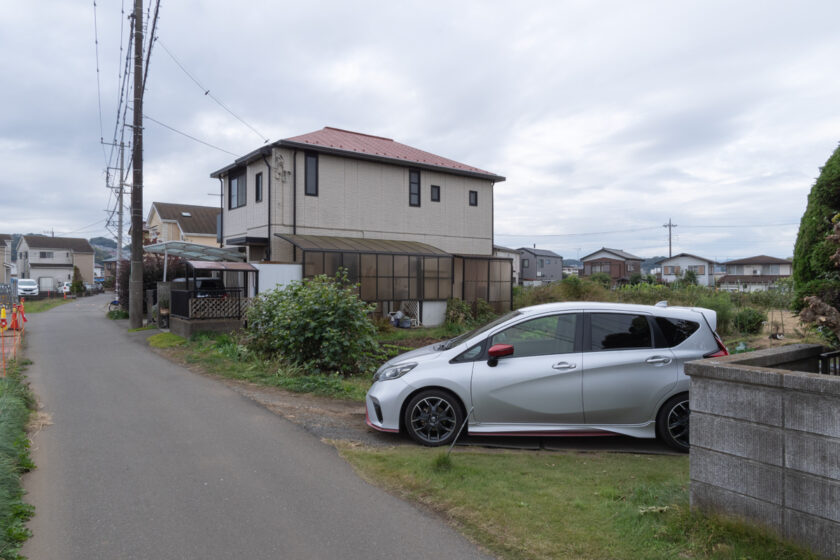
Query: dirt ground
(786, 328)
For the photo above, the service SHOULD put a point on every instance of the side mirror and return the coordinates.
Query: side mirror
(498, 351)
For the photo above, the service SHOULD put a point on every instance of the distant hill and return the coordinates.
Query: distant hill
(651, 263)
(103, 242)
(573, 262)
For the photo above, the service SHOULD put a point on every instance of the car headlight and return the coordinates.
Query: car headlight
(395, 372)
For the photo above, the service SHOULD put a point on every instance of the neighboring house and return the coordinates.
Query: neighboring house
(98, 271)
(5, 258)
(183, 222)
(411, 227)
(50, 260)
(540, 266)
(110, 266)
(674, 268)
(617, 264)
(571, 271)
(754, 274)
(513, 255)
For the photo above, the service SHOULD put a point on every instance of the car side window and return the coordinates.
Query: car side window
(619, 331)
(676, 331)
(554, 334)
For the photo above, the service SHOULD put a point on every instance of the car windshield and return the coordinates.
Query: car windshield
(453, 342)
(26, 283)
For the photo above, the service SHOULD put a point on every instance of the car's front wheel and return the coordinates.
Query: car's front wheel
(433, 417)
(672, 422)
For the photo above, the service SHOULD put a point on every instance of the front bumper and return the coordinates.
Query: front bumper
(383, 404)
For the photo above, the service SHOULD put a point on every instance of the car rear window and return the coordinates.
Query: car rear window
(619, 331)
(676, 330)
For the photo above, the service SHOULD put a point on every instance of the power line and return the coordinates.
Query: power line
(193, 138)
(210, 95)
(151, 42)
(98, 84)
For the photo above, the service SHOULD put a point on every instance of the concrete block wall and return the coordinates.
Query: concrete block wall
(765, 444)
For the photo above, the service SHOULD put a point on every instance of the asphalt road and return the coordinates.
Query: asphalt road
(147, 460)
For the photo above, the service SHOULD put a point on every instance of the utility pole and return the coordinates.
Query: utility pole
(120, 221)
(670, 227)
(135, 283)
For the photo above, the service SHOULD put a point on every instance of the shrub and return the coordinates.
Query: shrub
(319, 324)
(601, 278)
(749, 320)
(812, 253)
(458, 312)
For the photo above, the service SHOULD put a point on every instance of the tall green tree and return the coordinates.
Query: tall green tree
(813, 272)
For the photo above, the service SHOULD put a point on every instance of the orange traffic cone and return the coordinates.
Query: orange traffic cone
(14, 326)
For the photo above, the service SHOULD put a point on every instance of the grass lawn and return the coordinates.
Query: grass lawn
(41, 305)
(540, 505)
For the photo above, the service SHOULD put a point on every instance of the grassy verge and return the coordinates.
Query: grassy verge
(41, 305)
(222, 355)
(575, 506)
(16, 405)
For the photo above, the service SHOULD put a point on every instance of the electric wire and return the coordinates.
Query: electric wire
(149, 50)
(210, 95)
(98, 83)
(193, 138)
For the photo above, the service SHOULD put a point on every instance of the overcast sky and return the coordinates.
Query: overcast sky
(607, 118)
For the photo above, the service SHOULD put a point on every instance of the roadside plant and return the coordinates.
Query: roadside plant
(319, 324)
(749, 320)
(77, 286)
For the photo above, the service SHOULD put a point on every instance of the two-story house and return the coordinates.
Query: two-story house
(754, 274)
(5, 258)
(540, 266)
(513, 255)
(182, 222)
(408, 225)
(50, 260)
(617, 264)
(674, 268)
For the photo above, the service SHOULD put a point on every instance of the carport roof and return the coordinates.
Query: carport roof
(194, 251)
(359, 245)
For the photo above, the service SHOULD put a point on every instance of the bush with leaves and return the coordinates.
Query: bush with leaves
(319, 324)
(749, 320)
(814, 273)
(77, 286)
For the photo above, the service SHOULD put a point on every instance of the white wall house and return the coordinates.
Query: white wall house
(513, 255)
(334, 198)
(5, 258)
(674, 268)
(50, 260)
(754, 274)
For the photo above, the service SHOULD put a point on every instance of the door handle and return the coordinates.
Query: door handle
(564, 365)
(658, 360)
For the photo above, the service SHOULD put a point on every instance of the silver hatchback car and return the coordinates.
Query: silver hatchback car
(564, 369)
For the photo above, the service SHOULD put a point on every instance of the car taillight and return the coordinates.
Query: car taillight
(720, 352)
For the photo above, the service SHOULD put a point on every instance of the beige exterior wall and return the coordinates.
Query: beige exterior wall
(169, 230)
(358, 198)
(683, 262)
(85, 264)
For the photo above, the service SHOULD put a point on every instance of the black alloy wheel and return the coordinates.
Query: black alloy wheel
(433, 418)
(672, 423)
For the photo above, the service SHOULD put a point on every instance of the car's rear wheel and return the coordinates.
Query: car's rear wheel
(672, 423)
(433, 417)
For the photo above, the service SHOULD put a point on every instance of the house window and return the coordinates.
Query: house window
(435, 193)
(525, 263)
(311, 187)
(258, 187)
(540, 263)
(236, 191)
(473, 198)
(46, 254)
(413, 187)
(630, 267)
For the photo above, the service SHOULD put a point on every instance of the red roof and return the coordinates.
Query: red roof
(379, 147)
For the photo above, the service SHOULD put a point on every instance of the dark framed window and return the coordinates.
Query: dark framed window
(311, 173)
(237, 191)
(435, 193)
(619, 331)
(525, 263)
(413, 187)
(473, 198)
(258, 187)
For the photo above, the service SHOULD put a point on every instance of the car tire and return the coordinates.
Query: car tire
(433, 417)
(672, 423)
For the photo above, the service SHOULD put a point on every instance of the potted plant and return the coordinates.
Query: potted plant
(163, 313)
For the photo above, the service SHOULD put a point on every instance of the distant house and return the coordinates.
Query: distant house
(754, 274)
(540, 266)
(50, 260)
(617, 264)
(5, 258)
(412, 228)
(513, 255)
(674, 268)
(183, 222)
